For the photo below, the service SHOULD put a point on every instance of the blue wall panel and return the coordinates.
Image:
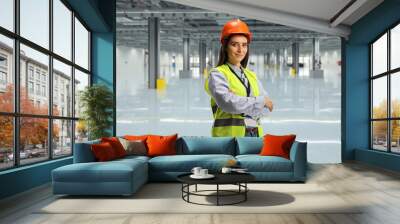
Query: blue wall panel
(357, 85)
(102, 58)
(24, 178)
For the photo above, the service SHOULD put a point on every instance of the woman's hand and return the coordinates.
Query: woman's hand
(268, 103)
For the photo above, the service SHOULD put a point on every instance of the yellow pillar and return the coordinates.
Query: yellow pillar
(161, 84)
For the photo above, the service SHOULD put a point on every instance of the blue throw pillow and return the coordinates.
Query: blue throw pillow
(192, 145)
(248, 145)
(83, 153)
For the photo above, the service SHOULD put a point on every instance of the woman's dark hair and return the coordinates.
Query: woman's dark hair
(223, 55)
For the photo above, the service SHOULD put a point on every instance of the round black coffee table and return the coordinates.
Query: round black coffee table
(238, 179)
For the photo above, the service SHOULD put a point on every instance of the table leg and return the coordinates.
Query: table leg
(196, 188)
(217, 194)
(245, 191)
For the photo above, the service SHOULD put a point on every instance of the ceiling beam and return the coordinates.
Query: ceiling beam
(346, 11)
(268, 15)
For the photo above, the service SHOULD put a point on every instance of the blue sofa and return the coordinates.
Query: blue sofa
(125, 176)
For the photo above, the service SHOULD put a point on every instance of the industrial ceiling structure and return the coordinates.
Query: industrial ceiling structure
(275, 24)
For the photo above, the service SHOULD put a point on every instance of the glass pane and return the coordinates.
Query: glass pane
(62, 137)
(81, 45)
(379, 135)
(6, 74)
(81, 81)
(33, 139)
(395, 136)
(62, 29)
(35, 21)
(81, 131)
(7, 14)
(62, 89)
(6, 142)
(395, 47)
(34, 82)
(379, 97)
(379, 55)
(395, 94)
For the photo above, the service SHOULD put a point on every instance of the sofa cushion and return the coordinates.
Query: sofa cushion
(134, 147)
(275, 145)
(83, 152)
(103, 151)
(193, 145)
(185, 163)
(116, 145)
(248, 145)
(112, 171)
(257, 163)
(161, 145)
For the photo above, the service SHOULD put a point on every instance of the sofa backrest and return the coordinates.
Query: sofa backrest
(83, 152)
(248, 145)
(194, 145)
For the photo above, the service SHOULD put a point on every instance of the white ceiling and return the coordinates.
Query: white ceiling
(315, 15)
(320, 9)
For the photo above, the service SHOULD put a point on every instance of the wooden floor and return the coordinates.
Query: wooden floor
(377, 188)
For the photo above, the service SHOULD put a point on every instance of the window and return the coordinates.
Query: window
(30, 72)
(33, 149)
(81, 81)
(54, 127)
(62, 74)
(7, 14)
(37, 75)
(81, 45)
(37, 89)
(3, 61)
(62, 29)
(6, 142)
(7, 88)
(43, 90)
(62, 140)
(385, 94)
(35, 22)
(3, 78)
(395, 47)
(30, 88)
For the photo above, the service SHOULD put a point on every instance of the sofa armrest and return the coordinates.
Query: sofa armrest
(298, 155)
(83, 152)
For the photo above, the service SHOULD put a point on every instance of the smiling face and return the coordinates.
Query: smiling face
(236, 49)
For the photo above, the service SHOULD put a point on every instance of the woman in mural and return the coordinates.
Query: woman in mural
(238, 100)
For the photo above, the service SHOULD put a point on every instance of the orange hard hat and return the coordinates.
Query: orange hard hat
(235, 26)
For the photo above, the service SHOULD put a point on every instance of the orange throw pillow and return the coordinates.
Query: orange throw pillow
(116, 145)
(161, 145)
(136, 137)
(103, 151)
(275, 145)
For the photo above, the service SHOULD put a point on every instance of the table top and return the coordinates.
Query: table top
(220, 178)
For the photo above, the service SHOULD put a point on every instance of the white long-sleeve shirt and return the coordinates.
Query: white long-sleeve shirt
(231, 103)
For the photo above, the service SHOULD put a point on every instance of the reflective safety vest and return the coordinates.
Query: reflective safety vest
(227, 124)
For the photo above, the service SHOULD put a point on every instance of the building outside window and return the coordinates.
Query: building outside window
(30, 72)
(3, 78)
(44, 77)
(30, 87)
(37, 75)
(43, 90)
(38, 89)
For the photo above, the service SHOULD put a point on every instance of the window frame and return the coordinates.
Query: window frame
(388, 74)
(16, 114)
